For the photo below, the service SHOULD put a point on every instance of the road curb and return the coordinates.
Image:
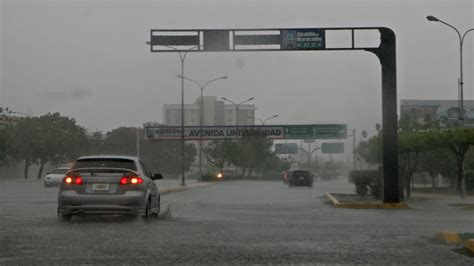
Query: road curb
(396, 206)
(180, 189)
(453, 237)
(469, 244)
(448, 237)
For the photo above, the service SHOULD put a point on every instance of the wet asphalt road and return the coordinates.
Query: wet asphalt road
(231, 222)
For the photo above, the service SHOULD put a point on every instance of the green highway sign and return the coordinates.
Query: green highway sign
(303, 39)
(299, 131)
(321, 131)
(332, 147)
(330, 132)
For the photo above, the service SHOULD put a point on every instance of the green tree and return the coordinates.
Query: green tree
(410, 146)
(25, 142)
(219, 153)
(459, 140)
(50, 138)
(371, 150)
(250, 152)
(436, 161)
(122, 140)
(60, 140)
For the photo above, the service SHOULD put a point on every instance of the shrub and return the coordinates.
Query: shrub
(367, 183)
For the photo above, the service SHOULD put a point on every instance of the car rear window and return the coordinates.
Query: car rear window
(59, 171)
(302, 173)
(105, 163)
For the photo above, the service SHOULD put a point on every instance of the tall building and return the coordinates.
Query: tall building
(215, 112)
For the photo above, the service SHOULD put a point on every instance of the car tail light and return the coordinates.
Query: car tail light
(131, 180)
(76, 180)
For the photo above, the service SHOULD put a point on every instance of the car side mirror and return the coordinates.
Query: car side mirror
(157, 176)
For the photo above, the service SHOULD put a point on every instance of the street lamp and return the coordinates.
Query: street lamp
(201, 114)
(461, 78)
(182, 57)
(237, 106)
(263, 120)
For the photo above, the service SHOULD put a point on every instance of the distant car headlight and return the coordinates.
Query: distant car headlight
(47, 177)
(219, 175)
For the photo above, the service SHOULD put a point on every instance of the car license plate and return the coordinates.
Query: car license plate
(100, 187)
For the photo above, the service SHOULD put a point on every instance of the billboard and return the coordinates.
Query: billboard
(445, 111)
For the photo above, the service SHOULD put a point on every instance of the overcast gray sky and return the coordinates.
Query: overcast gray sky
(88, 59)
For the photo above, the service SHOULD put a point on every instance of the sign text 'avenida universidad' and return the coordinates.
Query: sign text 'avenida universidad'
(331, 131)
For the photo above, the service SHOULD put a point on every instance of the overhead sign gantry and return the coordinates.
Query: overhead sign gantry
(303, 39)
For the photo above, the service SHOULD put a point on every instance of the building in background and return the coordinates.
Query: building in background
(215, 113)
(10, 118)
(446, 111)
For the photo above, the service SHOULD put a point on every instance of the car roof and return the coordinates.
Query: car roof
(132, 158)
(62, 167)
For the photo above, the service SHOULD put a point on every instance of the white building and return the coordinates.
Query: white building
(215, 112)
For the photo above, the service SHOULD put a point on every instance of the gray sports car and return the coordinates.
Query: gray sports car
(108, 185)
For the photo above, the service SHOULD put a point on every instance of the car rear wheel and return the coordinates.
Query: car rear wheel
(147, 215)
(63, 217)
(158, 207)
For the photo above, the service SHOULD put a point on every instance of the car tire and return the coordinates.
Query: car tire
(158, 207)
(147, 215)
(64, 217)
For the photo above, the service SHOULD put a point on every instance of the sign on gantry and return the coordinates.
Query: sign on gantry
(317, 131)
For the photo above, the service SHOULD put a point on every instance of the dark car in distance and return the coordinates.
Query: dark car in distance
(300, 178)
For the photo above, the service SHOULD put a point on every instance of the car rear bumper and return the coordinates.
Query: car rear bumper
(304, 182)
(50, 183)
(131, 202)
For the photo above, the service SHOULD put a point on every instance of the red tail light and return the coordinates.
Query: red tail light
(76, 180)
(131, 180)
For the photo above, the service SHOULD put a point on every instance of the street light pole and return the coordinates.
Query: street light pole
(202, 87)
(182, 57)
(237, 105)
(461, 78)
